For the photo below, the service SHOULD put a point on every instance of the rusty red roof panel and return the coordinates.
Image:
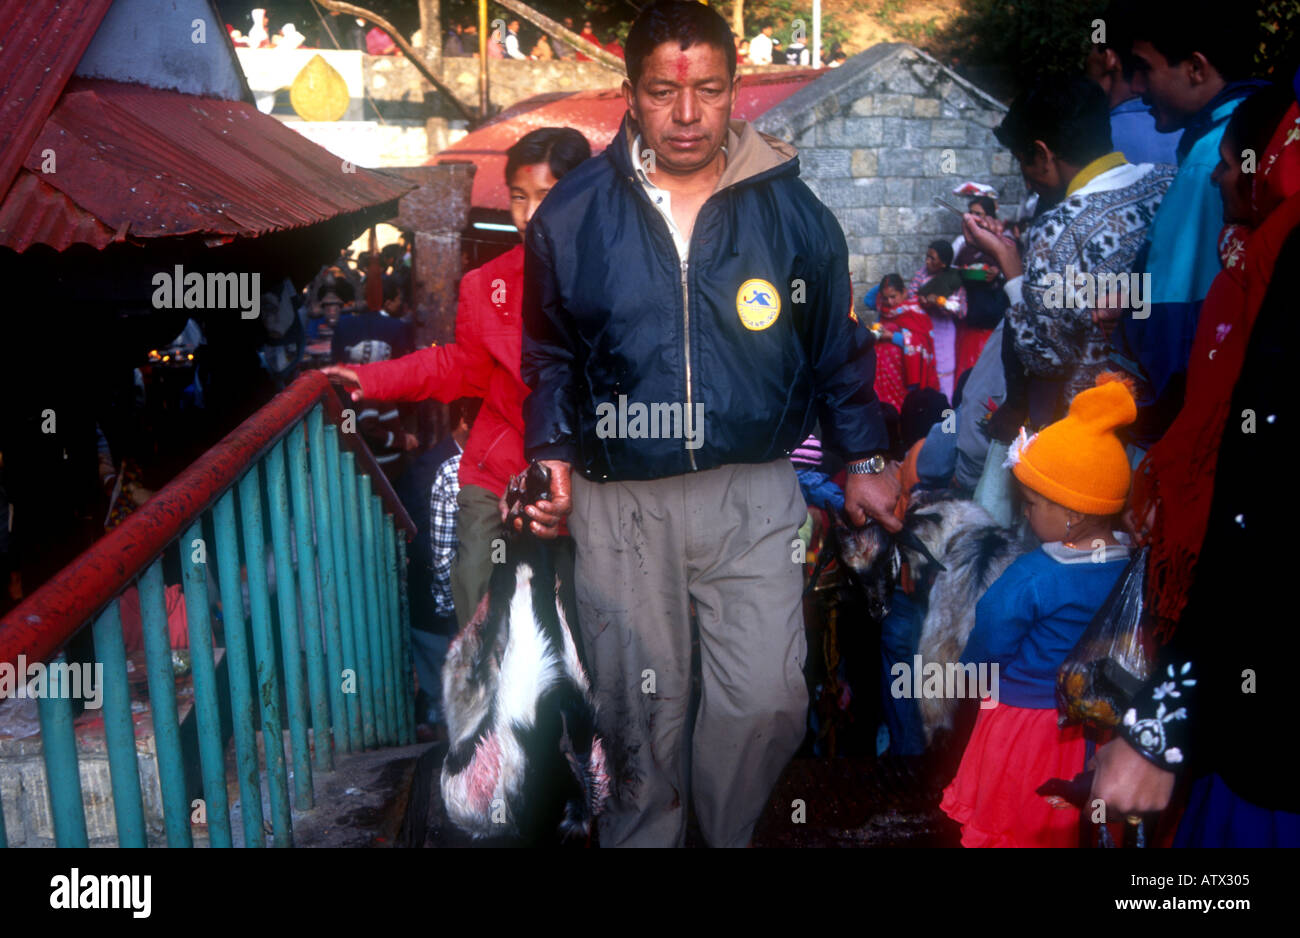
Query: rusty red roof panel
(596, 115)
(36, 213)
(41, 42)
(145, 163)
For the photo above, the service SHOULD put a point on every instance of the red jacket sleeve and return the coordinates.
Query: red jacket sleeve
(443, 373)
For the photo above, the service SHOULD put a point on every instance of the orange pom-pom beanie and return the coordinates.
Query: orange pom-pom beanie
(1078, 461)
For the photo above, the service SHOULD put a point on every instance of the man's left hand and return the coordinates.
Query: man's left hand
(874, 496)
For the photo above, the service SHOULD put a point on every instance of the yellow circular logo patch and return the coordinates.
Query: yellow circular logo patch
(758, 304)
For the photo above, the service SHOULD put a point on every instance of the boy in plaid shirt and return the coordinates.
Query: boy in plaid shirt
(431, 638)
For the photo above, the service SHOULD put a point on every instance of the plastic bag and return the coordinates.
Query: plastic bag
(1113, 658)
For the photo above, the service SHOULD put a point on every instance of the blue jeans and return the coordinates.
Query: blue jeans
(900, 634)
(429, 650)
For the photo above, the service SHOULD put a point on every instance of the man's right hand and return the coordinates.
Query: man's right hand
(547, 516)
(986, 234)
(341, 374)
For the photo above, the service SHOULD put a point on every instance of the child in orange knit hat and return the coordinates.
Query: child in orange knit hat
(1074, 479)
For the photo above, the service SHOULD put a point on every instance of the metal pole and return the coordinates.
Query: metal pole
(206, 708)
(482, 60)
(343, 583)
(387, 619)
(356, 577)
(398, 628)
(62, 778)
(286, 596)
(317, 680)
(374, 627)
(237, 670)
(119, 730)
(817, 34)
(268, 684)
(162, 706)
(408, 665)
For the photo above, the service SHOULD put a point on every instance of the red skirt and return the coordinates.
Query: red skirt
(1012, 751)
(970, 343)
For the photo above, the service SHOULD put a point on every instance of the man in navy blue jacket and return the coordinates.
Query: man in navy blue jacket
(687, 319)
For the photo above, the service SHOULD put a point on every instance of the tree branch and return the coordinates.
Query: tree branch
(407, 50)
(556, 31)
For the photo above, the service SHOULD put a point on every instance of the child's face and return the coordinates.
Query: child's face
(1046, 518)
(889, 298)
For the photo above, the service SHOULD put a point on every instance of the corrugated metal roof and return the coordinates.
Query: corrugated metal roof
(596, 115)
(144, 163)
(41, 42)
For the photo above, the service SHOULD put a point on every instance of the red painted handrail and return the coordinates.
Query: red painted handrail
(44, 621)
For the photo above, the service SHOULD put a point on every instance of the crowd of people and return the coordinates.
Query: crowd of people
(1096, 368)
(775, 44)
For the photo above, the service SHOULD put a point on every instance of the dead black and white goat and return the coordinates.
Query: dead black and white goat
(524, 759)
(954, 550)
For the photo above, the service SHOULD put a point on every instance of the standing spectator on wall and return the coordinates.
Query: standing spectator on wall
(760, 47)
(452, 46)
(512, 41)
(588, 34)
(380, 43)
(542, 50)
(561, 48)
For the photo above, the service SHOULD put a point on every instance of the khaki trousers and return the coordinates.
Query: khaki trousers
(645, 550)
(478, 522)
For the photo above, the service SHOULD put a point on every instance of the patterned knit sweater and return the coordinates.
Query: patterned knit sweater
(1094, 230)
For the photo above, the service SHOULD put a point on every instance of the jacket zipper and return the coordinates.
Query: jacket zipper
(686, 319)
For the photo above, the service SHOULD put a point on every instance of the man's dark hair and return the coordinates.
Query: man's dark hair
(464, 407)
(943, 249)
(1226, 37)
(1070, 115)
(684, 22)
(340, 288)
(893, 281)
(1253, 123)
(392, 288)
(985, 202)
(560, 148)
(1118, 19)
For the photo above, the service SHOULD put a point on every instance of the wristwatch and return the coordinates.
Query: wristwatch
(867, 467)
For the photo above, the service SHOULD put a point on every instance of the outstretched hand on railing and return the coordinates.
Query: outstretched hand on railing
(347, 377)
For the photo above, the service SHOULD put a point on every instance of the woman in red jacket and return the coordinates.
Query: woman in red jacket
(483, 362)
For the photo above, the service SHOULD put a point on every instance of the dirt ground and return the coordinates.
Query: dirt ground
(847, 802)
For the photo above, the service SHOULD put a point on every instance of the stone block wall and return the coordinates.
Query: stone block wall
(883, 135)
(25, 795)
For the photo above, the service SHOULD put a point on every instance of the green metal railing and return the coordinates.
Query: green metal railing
(331, 659)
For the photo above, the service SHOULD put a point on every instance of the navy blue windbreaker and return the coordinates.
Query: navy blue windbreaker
(754, 331)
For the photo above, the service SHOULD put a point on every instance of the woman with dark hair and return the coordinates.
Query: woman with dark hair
(1215, 709)
(937, 288)
(483, 362)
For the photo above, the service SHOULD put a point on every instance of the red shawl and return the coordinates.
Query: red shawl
(899, 370)
(1177, 475)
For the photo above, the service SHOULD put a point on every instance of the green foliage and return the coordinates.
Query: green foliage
(1279, 29)
(1027, 37)
(782, 14)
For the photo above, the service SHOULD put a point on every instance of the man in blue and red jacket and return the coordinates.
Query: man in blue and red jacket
(687, 319)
